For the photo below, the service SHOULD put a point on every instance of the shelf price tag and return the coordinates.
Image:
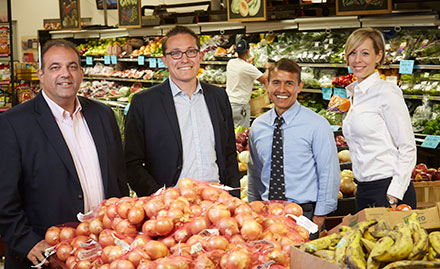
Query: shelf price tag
(141, 60)
(89, 60)
(160, 63)
(335, 127)
(406, 66)
(431, 141)
(349, 70)
(341, 92)
(106, 59)
(114, 59)
(152, 62)
(327, 93)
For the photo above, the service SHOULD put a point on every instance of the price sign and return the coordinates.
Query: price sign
(141, 60)
(106, 59)
(152, 62)
(406, 66)
(349, 70)
(341, 92)
(160, 63)
(114, 59)
(335, 127)
(327, 93)
(431, 141)
(89, 60)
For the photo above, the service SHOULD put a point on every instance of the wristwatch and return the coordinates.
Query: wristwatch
(391, 201)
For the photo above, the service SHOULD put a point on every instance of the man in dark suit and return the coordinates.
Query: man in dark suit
(61, 155)
(182, 127)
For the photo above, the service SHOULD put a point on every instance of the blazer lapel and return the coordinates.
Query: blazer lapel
(50, 127)
(99, 138)
(170, 109)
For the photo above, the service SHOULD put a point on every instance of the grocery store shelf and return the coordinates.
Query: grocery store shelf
(113, 103)
(400, 21)
(312, 90)
(4, 82)
(123, 79)
(322, 65)
(215, 62)
(420, 97)
(4, 55)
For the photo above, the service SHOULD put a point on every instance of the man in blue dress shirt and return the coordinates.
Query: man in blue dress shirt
(310, 162)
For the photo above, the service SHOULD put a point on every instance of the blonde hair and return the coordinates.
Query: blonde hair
(359, 36)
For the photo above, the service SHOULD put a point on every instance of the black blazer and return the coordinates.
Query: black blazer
(39, 186)
(153, 145)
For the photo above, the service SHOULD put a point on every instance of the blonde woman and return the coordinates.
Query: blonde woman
(377, 128)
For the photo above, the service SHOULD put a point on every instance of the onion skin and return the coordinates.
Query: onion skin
(156, 249)
(52, 236)
(67, 233)
(251, 230)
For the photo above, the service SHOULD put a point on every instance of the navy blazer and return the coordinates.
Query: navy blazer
(39, 186)
(153, 144)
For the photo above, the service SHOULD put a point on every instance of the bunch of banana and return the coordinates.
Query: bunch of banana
(374, 244)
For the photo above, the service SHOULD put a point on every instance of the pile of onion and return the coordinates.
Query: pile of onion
(194, 224)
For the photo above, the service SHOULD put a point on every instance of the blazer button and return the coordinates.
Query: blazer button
(80, 196)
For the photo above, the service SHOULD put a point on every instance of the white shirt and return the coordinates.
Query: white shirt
(379, 134)
(197, 134)
(82, 148)
(240, 78)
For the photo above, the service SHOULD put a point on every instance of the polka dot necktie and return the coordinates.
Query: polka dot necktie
(277, 189)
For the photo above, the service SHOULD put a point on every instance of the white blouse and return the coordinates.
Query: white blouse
(379, 134)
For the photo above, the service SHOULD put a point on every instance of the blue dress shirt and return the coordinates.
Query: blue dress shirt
(197, 134)
(311, 165)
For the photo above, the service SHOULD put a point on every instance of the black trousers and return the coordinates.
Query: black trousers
(309, 212)
(374, 194)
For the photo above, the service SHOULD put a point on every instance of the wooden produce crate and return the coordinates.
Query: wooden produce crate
(427, 193)
(257, 104)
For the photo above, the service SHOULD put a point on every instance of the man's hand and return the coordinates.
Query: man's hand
(318, 220)
(36, 254)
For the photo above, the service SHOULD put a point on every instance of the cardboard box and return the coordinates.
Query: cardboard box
(427, 193)
(301, 260)
(257, 104)
(429, 218)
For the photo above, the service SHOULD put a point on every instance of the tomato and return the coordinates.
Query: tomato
(403, 207)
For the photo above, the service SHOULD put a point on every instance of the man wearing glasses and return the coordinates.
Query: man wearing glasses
(182, 127)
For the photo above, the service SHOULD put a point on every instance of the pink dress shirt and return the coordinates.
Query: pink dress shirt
(80, 142)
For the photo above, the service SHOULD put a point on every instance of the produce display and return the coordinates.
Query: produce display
(344, 156)
(426, 118)
(422, 173)
(340, 141)
(108, 90)
(195, 225)
(241, 144)
(374, 244)
(347, 188)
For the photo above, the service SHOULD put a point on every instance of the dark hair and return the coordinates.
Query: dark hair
(286, 65)
(179, 29)
(58, 43)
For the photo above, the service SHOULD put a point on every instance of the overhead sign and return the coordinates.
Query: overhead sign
(70, 17)
(129, 13)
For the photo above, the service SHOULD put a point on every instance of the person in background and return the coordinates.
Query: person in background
(293, 154)
(62, 155)
(377, 127)
(182, 127)
(240, 78)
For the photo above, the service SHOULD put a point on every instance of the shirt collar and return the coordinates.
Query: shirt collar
(175, 90)
(59, 112)
(288, 115)
(364, 85)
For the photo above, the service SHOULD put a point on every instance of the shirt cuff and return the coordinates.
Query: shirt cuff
(396, 190)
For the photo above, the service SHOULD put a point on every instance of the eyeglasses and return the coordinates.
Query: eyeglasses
(176, 55)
